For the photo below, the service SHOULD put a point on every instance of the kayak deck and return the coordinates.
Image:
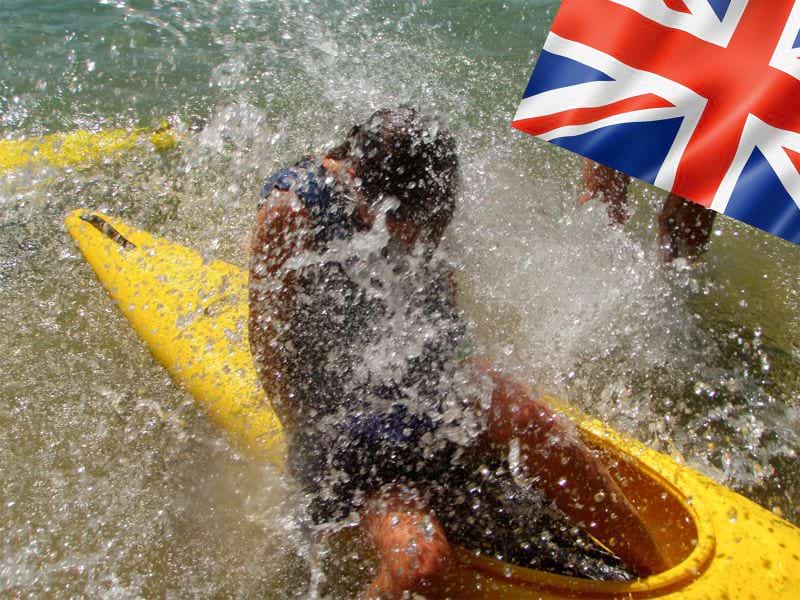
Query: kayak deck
(192, 315)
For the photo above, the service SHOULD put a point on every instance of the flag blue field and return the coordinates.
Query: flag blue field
(698, 97)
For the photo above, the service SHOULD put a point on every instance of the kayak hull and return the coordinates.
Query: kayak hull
(192, 315)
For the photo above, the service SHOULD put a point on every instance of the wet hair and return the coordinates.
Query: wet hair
(411, 157)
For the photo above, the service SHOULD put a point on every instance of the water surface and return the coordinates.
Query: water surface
(114, 484)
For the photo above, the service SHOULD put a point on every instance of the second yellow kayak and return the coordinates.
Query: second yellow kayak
(81, 147)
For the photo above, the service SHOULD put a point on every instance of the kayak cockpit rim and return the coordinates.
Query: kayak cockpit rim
(689, 541)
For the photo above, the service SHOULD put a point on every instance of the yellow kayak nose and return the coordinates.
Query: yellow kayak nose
(192, 315)
(81, 148)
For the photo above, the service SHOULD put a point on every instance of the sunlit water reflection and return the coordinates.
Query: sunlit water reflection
(112, 481)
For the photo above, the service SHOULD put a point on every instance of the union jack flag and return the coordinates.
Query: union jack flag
(698, 97)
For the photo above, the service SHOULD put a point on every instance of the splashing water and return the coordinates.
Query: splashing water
(115, 485)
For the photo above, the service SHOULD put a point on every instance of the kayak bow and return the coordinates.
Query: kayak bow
(192, 315)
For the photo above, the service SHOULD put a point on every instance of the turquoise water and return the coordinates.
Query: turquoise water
(71, 63)
(115, 485)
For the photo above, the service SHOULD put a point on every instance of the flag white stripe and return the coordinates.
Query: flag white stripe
(702, 22)
(636, 116)
(786, 58)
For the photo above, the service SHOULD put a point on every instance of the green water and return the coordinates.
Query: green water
(114, 485)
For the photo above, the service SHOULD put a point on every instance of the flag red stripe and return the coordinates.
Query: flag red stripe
(677, 5)
(581, 116)
(740, 70)
(709, 154)
(749, 86)
(736, 80)
(794, 157)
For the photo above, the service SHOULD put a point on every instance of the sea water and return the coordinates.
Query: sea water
(113, 482)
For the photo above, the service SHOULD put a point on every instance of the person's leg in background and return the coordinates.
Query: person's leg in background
(684, 227)
(609, 186)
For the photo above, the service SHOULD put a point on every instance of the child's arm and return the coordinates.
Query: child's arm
(283, 230)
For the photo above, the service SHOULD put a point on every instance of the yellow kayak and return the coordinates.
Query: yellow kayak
(192, 315)
(80, 148)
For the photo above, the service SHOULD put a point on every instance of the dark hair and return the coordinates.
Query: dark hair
(401, 153)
